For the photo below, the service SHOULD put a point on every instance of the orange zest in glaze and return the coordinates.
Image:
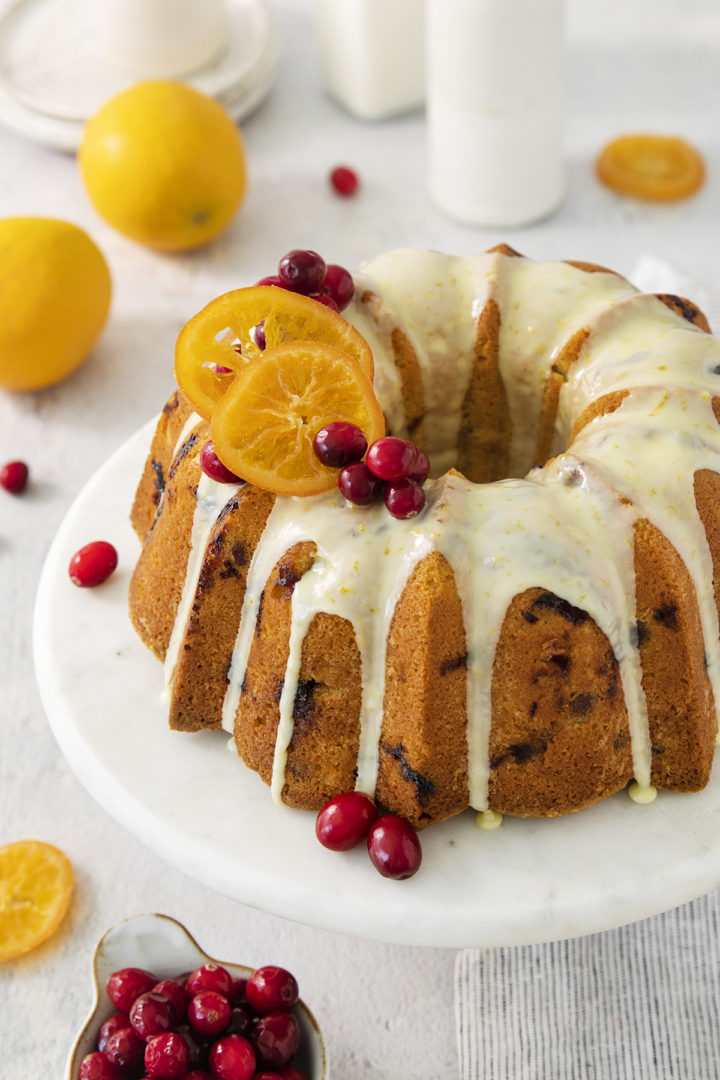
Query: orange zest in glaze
(222, 335)
(264, 425)
(657, 167)
(36, 883)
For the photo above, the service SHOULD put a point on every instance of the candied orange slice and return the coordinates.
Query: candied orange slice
(264, 425)
(206, 342)
(659, 167)
(36, 883)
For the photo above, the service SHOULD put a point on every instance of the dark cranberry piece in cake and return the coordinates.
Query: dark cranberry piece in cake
(391, 458)
(177, 994)
(339, 443)
(91, 566)
(151, 1014)
(339, 283)
(270, 988)
(404, 498)
(127, 984)
(232, 1058)
(14, 477)
(394, 847)
(213, 467)
(167, 1055)
(209, 1012)
(210, 976)
(421, 469)
(276, 1037)
(344, 821)
(112, 1024)
(302, 271)
(125, 1049)
(359, 485)
(344, 180)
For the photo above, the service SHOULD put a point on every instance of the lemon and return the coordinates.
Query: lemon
(54, 298)
(164, 164)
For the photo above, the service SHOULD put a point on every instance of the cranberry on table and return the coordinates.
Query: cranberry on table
(339, 283)
(276, 1037)
(270, 988)
(167, 1056)
(213, 467)
(96, 1066)
(302, 271)
(14, 477)
(344, 180)
(127, 984)
(151, 1014)
(209, 1012)
(232, 1058)
(394, 847)
(92, 565)
(177, 994)
(404, 499)
(113, 1023)
(359, 485)
(339, 443)
(125, 1049)
(344, 821)
(210, 976)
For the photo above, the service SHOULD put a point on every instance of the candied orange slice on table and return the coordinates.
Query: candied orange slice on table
(658, 167)
(264, 425)
(36, 883)
(206, 342)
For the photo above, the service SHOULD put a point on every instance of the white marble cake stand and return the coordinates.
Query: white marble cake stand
(192, 802)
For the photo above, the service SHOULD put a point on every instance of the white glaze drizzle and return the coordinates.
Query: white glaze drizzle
(566, 527)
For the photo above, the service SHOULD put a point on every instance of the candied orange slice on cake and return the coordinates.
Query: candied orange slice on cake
(36, 883)
(263, 426)
(221, 340)
(659, 167)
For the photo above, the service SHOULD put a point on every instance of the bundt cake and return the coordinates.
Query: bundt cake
(545, 631)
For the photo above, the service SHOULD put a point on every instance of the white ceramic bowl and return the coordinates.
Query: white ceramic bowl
(162, 945)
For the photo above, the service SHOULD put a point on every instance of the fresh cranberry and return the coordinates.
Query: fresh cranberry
(302, 271)
(338, 443)
(394, 847)
(258, 335)
(209, 1012)
(198, 1045)
(344, 180)
(220, 369)
(277, 1037)
(240, 1021)
(291, 1072)
(167, 1055)
(14, 477)
(125, 1049)
(113, 1023)
(232, 1058)
(210, 976)
(177, 994)
(421, 469)
(267, 1076)
(238, 991)
(324, 298)
(358, 484)
(213, 467)
(339, 283)
(344, 821)
(270, 988)
(96, 1066)
(404, 498)
(391, 458)
(271, 279)
(151, 1014)
(92, 565)
(127, 984)
(197, 1074)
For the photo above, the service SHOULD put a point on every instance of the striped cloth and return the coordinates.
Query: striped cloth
(638, 1003)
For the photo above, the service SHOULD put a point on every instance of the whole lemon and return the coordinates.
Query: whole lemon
(164, 164)
(54, 299)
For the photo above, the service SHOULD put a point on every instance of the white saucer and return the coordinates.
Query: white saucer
(53, 76)
(196, 805)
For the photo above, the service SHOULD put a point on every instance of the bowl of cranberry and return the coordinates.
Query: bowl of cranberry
(165, 1009)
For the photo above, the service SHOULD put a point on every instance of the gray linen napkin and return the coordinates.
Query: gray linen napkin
(638, 1003)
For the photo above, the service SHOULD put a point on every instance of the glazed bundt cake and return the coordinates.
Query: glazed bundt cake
(545, 631)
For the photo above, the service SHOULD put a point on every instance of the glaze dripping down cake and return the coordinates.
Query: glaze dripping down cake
(545, 631)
